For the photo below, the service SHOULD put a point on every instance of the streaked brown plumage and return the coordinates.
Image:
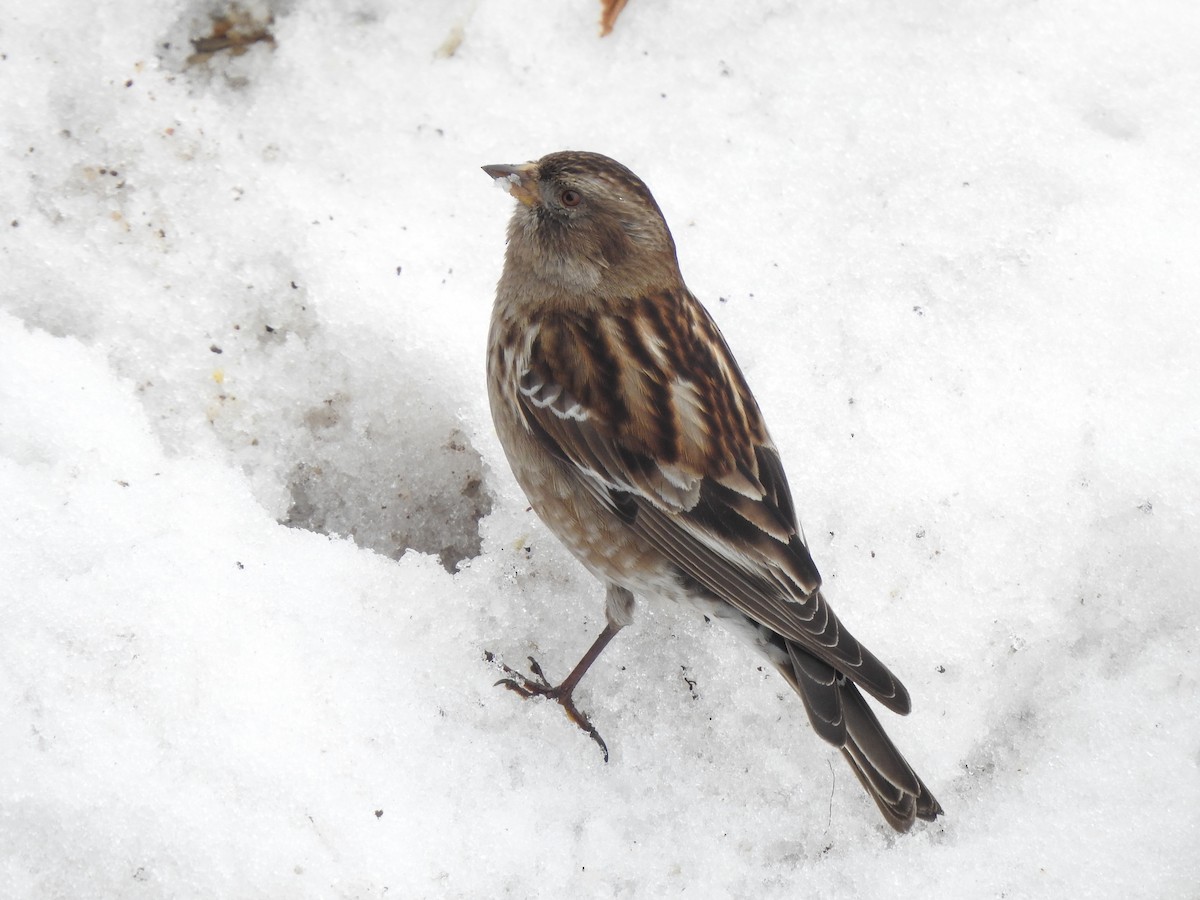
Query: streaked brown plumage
(630, 427)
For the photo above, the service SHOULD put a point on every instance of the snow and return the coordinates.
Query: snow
(258, 533)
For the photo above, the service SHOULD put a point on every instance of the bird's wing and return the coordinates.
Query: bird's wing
(648, 406)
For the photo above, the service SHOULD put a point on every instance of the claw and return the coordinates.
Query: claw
(539, 686)
(582, 721)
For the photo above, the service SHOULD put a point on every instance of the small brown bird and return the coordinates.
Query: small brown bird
(637, 441)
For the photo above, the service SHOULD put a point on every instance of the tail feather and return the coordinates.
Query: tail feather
(840, 715)
(821, 701)
(898, 808)
(864, 732)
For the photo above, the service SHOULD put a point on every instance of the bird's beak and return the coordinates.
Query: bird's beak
(520, 181)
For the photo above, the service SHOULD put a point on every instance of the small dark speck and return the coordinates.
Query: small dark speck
(921, 533)
(966, 184)
(15, 224)
(238, 564)
(919, 310)
(941, 670)
(129, 83)
(398, 270)
(215, 349)
(379, 813)
(295, 286)
(122, 483)
(722, 299)
(1146, 507)
(872, 554)
(664, 96)
(269, 329)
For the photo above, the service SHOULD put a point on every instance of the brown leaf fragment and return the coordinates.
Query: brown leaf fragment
(610, 9)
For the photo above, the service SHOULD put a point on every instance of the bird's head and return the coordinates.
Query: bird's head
(586, 225)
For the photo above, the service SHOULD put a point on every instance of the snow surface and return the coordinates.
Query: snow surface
(954, 247)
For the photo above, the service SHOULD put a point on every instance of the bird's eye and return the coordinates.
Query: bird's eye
(570, 197)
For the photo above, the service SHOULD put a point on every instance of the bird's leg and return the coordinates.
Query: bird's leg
(562, 694)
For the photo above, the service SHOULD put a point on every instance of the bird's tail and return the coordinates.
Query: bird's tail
(840, 715)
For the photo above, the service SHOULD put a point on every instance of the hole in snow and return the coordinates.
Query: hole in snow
(429, 497)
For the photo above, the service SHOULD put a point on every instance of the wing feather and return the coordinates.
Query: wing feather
(652, 412)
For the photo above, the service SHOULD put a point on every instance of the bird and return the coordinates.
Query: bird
(636, 439)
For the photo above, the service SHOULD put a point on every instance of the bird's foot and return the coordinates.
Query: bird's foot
(536, 685)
